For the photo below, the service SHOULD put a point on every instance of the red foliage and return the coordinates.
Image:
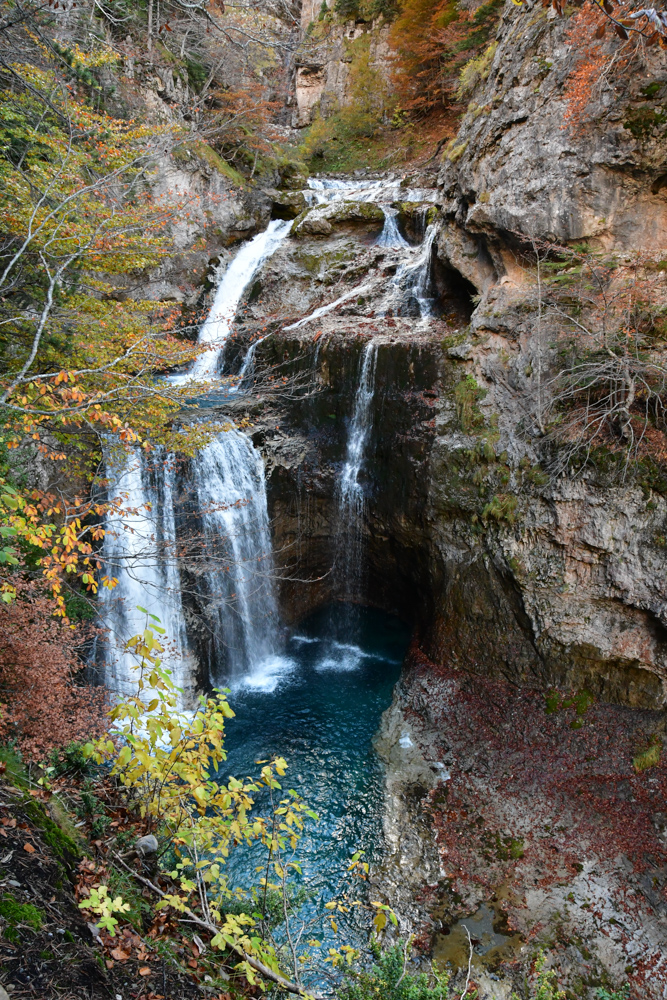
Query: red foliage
(38, 668)
(431, 42)
(565, 784)
(585, 33)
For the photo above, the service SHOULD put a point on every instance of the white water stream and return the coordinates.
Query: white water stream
(390, 236)
(215, 330)
(351, 498)
(412, 284)
(228, 476)
(140, 553)
(140, 547)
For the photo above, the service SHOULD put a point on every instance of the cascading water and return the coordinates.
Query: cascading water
(411, 289)
(215, 331)
(140, 552)
(248, 364)
(383, 191)
(228, 478)
(140, 547)
(351, 499)
(390, 236)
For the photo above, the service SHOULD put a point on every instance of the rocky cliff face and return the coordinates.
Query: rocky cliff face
(526, 159)
(323, 58)
(575, 587)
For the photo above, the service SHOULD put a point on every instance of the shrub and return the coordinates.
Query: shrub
(388, 980)
(547, 983)
(467, 395)
(501, 509)
(38, 668)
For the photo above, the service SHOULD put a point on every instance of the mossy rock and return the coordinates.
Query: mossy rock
(288, 204)
(293, 175)
(320, 221)
(191, 153)
(63, 846)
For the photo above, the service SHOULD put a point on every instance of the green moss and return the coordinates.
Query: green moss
(509, 848)
(537, 476)
(293, 173)
(15, 771)
(453, 340)
(453, 151)
(650, 757)
(15, 913)
(640, 122)
(651, 89)
(197, 74)
(198, 150)
(60, 843)
(502, 509)
(78, 607)
(476, 70)
(308, 223)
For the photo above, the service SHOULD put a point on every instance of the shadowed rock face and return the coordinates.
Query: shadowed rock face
(483, 597)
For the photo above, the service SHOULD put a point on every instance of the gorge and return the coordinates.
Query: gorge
(385, 460)
(358, 484)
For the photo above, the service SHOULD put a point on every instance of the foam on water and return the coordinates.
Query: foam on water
(341, 658)
(265, 676)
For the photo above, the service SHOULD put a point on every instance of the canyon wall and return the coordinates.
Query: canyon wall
(505, 569)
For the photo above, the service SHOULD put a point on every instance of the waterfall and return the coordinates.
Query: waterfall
(248, 363)
(140, 546)
(411, 289)
(390, 236)
(139, 550)
(228, 476)
(351, 500)
(215, 330)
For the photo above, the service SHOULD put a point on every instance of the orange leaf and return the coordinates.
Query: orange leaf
(120, 955)
(29, 848)
(144, 971)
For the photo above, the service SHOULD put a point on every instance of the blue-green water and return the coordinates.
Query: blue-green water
(319, 706)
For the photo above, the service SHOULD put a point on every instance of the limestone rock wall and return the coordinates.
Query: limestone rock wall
(322, 81)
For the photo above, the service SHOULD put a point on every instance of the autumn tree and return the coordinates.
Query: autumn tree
(431, 42)
(43, 705)
(80, 349)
